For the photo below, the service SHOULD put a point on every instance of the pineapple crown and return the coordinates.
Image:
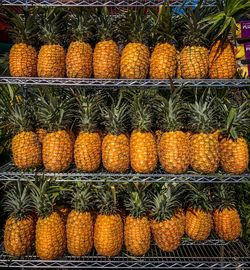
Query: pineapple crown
(165, 203)
(137, 199)
(170, 111)
(17, 202)
(203, 112)
(198, 197)
(115, 116)
(43, 195)
(81, 196)
(51, 25)
(88, 110)
(224, 197)
(106, 198)
(80, 24)
(22, 28)
(54, 110)
(223, 21)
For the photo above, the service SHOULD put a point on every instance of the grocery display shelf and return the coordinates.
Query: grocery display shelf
(212, 256)
(125, 82)
(9, 172)
(121, 3)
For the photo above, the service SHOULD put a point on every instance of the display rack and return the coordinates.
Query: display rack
(9, 172)
(125, 82)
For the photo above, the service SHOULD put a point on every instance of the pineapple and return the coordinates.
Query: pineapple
(193, 61)
(137, 225)
(19, 230)
(227, 222)
(108, 229)
(163, 61)
(143, 152)
(79, 56)
(173, 146)
(199, 219)
(51, 57)
(115, 145)
(80, 227)
(222, 23)
(16, 115)
(166, 225)
(135, 55)
(23, 55)
(87, 149)
(106, 59)
(204, 143)
(234, 155)
(55, 112)
(50, 228)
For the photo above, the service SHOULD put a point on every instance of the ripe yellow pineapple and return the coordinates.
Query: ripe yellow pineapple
(163, 61)
(234, 155)
(166, 227)
(115, 145)
(23, 56)
(199, 219)
(143, 152)
(50, 227)
(41, 134)
(51, 57)
(79, 55)
(57, 146)
(108, 229)
(80, 227)
(193, 62)
(227, 222)
(135, 55)
(17, 116)
(173, 146)
(182, 218)
(204, 143)
(106, 59)
(137, 225)
(19, 229)
(87, 149)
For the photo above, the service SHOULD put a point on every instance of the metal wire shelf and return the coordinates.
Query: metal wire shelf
(230, 256)
(9, 172)
(124, 82)
(118, 3)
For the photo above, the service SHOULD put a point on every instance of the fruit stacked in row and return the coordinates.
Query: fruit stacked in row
(203, 133)
(97, 220)
(137, 30)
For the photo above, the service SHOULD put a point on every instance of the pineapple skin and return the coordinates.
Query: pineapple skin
(108, 234)
(51, 61)
(79, 59)
(227, 224)
(115, 152)
(137, 235)
(135, 61)
(50, 237)
(26, 150)
(182, 220)
(41, 134)
(23, 60)
(194, 62)
(57, 151)
(167, 233)
(222, 62)
(19, 235)
(143, 152)
(204, 152)
(234, 155)
(173, 151)
(198, 224)
(106, 60)
(163, 61)
(80, 232)
(87, 151)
